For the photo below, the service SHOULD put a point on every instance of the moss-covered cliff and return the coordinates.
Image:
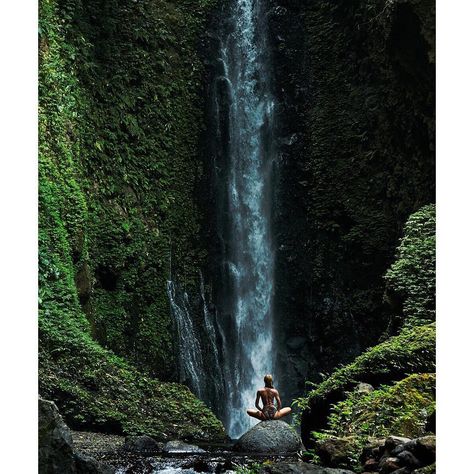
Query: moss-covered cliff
(356, 90)
(119, 123)
(400, 368)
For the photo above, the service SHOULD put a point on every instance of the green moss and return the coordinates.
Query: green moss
(412, 277)
(119, 122)
(95, 389)
(410, 352)
(398, 410)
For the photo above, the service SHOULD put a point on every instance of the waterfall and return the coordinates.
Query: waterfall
(214, 379)
(224, 360)
(244, 112)
(200, 363)
(190, 355)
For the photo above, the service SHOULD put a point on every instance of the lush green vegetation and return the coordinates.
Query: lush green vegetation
(119, 124)
(412, 351)
(411, 278)
(401, 368)
(95, 389)
(401, 409)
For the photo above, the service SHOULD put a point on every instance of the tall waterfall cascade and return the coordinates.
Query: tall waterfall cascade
(239, 338)
(247, 149)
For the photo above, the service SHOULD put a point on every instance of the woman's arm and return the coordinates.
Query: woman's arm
(277, 396)
(257, 402)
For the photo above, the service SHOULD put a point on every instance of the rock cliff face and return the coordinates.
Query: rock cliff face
(356, 96)
(120, 112)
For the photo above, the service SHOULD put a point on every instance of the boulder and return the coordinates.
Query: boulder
(300, 468)
(425, 449)
(389, 464)
(142, 445)
(270, 437)
(55, 452)
(408, 459)
(409, 446)
(179, 447)
(371, 465)
(87, 465)
(392, 441)
(334, 452)
(374, 449)
(55, 446)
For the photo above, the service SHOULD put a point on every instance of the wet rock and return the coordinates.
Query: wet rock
(301, 468)
(55, 446)
(389, 464)
(54, 441)
(142, 444)
(409, 446)
(179, 447)
(408, 459)
(425, 449)
(392, 441)
(431, 469)
(87, 465)
(371, 465)
(334, 452)
(270, 437)
(374, 449)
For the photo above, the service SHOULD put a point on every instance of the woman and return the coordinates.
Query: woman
(268, 394)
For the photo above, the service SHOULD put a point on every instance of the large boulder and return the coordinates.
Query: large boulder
(270, 437)
(335, 452)
(87, 465)
(55, 452)
(425, 449)
(55, 446)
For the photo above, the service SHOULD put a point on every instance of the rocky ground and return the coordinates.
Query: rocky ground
(88, 442)
(394, 454)
(271, 447)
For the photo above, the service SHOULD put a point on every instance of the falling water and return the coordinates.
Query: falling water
(246, 147)
(236, 346)
(190, 354)
(199, 357)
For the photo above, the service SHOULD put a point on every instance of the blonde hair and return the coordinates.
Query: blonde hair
(268, 379)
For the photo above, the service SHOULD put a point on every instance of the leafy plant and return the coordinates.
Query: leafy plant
(412, 276)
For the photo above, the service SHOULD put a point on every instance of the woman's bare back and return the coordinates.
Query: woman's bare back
(268, 395)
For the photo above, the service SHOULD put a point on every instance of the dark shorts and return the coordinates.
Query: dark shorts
(269, 412)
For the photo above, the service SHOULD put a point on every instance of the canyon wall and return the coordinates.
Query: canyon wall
(356, 89)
